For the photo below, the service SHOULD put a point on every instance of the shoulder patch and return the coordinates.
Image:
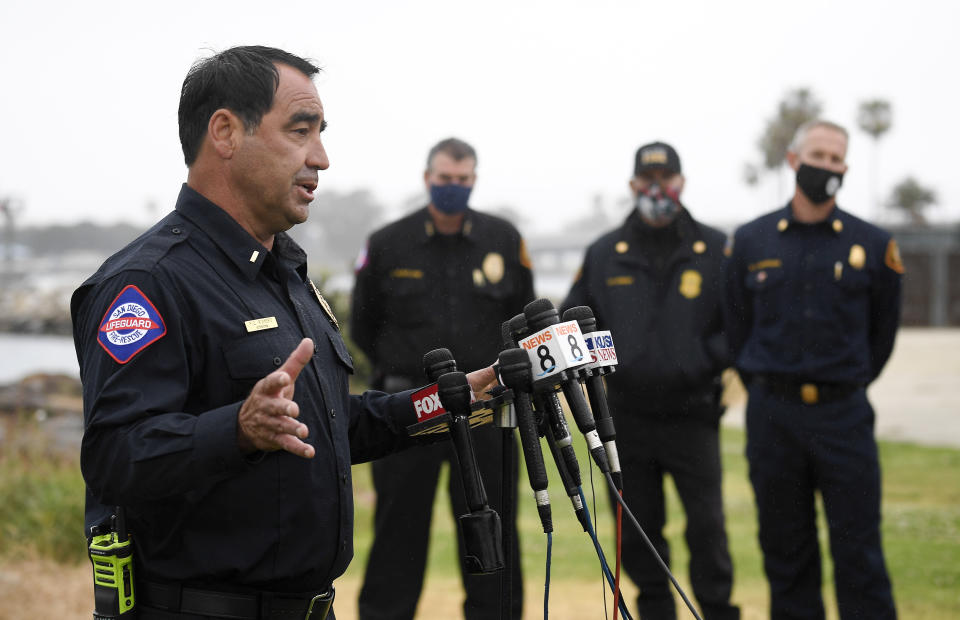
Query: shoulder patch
(525, 256)
(130, 325)
(892, 258)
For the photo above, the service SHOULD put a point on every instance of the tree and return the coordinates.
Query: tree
(338, 226)
(796, 108)
(913, 198)
(874, 117)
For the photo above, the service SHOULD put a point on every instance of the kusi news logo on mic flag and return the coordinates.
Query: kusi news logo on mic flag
(130, 325)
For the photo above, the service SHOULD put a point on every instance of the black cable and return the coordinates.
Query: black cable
(653, 550)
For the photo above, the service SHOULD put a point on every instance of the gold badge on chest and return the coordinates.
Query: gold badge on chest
(690, 283)
(323, 304)
(858, 256)
(493, 267)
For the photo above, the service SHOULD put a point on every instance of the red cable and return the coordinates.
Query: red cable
(616, 581)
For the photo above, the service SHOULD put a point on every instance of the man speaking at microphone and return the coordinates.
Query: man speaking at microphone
(654, 282)
(443, 276)
(216, 404)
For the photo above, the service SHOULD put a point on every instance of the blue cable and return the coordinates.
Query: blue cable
(546, 585)
(603, 559)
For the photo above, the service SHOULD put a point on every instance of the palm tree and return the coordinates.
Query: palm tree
(875, 118)
(913, 198)
(797, 107)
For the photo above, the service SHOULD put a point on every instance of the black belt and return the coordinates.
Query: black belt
(808, 392)
(177, 598)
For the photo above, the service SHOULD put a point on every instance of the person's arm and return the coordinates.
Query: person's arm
(579, 294)
(379, 421)
(885, 300)
(138, 441)
(737, 306)
(527, 293)
(364, 304)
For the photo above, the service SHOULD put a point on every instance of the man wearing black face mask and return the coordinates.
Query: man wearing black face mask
(420, 281)
(655, 283)
(812, 312)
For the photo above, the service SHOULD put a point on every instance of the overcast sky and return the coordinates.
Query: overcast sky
(556, 96)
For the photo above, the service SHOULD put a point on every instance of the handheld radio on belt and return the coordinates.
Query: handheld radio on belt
(111, 553)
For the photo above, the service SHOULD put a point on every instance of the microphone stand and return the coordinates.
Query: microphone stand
(506, 420)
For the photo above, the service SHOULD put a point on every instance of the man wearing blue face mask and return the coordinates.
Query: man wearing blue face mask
(812, 312)
(443, 276)
(655, 283)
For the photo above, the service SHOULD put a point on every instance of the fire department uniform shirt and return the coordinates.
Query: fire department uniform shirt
(418, 290)
(172, 333)
(813, 302)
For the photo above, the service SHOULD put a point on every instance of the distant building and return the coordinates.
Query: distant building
(931, 285)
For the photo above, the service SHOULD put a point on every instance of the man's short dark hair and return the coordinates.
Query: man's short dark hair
(240, 79)
(455, 148)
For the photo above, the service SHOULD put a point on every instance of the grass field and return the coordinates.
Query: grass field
(43, 572)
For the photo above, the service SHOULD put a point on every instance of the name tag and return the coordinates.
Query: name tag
(255, 325)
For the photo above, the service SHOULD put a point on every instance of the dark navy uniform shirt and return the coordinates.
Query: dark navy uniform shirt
(172, 333)
(813, 302)
(418, 290)
(662, 306)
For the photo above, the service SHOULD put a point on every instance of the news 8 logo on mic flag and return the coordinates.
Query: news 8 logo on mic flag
(554, 349)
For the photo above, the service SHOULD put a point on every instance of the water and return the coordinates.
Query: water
(24, 354)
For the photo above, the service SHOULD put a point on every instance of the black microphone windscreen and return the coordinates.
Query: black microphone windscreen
(540, 313)
(518, 327)
(438, 362)
(583, 315)
(506, 335)
(454, 393)
(515, 370)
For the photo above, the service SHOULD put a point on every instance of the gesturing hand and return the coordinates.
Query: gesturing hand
(267, 419)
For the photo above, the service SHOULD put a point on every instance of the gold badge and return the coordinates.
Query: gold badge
(892, 258)
(255, 325)
(493, 267)
(477, 277)
(699, 247)
(837, 226)
(323, 304)
(621, 247)
(690, 281)
(402, 272)
(837, 270)
(858, 256)
(782, 224)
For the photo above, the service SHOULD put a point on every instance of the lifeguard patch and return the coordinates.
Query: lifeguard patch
(130, 325)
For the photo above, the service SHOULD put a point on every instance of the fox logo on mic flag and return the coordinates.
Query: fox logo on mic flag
(130, 325)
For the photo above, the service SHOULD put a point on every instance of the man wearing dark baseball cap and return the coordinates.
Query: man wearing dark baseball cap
(654, 282)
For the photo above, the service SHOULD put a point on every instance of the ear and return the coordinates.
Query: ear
(225, 131)
(679, 186)
(793, 160)
(634, 187)
(426, 180)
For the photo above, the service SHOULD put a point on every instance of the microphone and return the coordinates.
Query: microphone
(482, 534)
(515, 374)
(438, 362)
(556, 431)
(541, 315)
(596, 391)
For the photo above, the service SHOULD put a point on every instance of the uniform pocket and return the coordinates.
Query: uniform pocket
(257, 355)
